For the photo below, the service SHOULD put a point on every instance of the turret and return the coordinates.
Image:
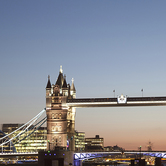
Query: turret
(48, 93)
(64, 87)
(72, 89)
(60, 80)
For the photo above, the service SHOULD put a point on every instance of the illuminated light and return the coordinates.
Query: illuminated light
(50, 154)
(45, 154)
(54, 154)
(48, 151)
(63, 154)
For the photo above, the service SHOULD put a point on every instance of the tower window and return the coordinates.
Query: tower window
(53, 128)
(60, 128)
(56, 117)
(59, 138)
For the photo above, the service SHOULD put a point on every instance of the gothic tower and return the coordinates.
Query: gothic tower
(60, 118)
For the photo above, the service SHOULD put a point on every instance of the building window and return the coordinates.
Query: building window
(56, 116)
(52, 116)
(59, 138)
(53, 139)
(56, 128)
(60, 128)
(53, 128)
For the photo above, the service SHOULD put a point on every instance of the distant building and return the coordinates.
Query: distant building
(116, 148)
(79, 141)
(32, 143)
(113, 149)
(8, 128)
(108, 149)
(94, 144)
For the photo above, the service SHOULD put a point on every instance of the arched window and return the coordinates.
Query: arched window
(53, 128)
(60, 128)
(59, 138)
(52, 115)
(56, 128)
(56, 116)
(53, 139)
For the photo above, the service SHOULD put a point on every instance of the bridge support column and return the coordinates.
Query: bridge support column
(157, 161)
(56, 158)
(132, 162)
(77, 162)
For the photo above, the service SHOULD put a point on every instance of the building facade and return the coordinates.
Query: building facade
(60, 118)
(33, 143)
(79, 141)
(94, 144)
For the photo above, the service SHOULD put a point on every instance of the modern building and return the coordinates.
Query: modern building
(8, 128)
(26, 142)
(79, 141)
(94, 144)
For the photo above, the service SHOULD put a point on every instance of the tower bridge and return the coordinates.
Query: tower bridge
(61, 104)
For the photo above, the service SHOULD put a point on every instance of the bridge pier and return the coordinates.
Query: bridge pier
(56, 158)
(77, 162)
(157, 161)
(141, 162)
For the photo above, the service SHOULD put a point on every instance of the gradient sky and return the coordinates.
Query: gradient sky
(104, 45)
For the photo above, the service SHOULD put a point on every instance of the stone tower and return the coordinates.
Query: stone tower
(60, 118)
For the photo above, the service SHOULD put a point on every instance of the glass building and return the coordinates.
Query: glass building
(29, 141)
(79, 141)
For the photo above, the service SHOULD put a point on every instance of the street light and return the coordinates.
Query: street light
(140, 151)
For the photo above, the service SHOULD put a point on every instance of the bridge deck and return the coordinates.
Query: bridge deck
(113, 102)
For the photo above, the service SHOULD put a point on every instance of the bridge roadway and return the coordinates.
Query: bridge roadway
(116, 102)
(89, 155)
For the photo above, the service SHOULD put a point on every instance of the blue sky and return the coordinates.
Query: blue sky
(103, 45)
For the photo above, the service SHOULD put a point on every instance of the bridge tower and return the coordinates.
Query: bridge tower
(60, 118)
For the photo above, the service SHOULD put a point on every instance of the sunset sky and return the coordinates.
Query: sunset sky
(104, 45)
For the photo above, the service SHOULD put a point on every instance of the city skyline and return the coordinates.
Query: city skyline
(104, 46)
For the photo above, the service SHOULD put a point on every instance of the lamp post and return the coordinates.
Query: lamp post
(140, 151)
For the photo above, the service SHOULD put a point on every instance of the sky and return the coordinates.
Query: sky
(104, 45)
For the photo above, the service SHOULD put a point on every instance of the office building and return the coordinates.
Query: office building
(27, 142)
(94, 144)
(79, 141)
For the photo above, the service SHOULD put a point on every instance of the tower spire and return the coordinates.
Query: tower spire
(72, 85)
(61, 71)
(48, 83)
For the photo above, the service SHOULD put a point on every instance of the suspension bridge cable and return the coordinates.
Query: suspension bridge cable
(33, 120)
